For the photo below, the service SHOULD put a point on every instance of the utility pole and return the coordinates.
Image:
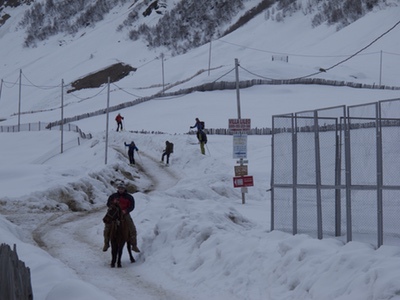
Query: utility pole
(19, 101)
(162, 70)
(62, 115)
(380, 71)
(237, 86)
(239, 116)
(242, 126)
(107, 113)
(209, 59)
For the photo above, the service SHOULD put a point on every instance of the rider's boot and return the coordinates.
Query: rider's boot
(135, 248)
(106, 238)
(106, 245)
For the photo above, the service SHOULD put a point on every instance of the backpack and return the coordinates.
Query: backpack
(202, 137)
(170, 148)
(202, 125)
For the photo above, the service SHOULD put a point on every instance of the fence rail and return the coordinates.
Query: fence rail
(224, 85)
(39, 126)
(225, 131)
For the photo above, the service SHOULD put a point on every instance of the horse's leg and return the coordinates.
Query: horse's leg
(120, 250)
(128, 246)
(114, 252)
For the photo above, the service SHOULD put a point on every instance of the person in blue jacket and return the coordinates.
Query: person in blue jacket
(198, 125)
(131, 153)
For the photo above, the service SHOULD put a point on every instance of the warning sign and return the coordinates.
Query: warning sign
(239, 124)
(243, 181)
(241, 170)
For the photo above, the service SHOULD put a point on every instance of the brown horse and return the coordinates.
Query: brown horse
(119, 235)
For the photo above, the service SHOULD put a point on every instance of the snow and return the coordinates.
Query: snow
(197, 240)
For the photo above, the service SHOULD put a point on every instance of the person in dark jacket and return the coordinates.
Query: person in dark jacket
(198, 125)
(119, 119)
(127, 204)
(202, 137)
(167, 151)
(131, 152)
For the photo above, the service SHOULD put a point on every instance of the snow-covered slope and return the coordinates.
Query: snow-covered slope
(198, 240)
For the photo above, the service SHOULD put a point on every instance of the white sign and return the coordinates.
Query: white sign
(240, 146)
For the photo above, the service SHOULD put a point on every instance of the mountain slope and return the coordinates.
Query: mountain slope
(70, 57)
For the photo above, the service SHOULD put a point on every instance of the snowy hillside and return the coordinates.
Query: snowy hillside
(198, 240)
(70, 57)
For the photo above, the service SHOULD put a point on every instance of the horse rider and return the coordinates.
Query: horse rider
(127, 204)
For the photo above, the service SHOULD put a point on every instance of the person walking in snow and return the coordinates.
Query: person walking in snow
(127, 204)
(131, 152)
(169, 148)
(199, 125)
(202, 137)
(119, 119)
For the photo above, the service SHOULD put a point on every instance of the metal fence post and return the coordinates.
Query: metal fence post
(318, 174)
(348, 175)
(272, 175)
(379, 170)
(294, 175)
(338, 165)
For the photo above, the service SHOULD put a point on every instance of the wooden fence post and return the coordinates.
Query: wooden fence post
(15, 277)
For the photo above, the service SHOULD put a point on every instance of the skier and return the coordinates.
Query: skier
(131, 154)
(199, 125)
(119, 119)
(169, 148)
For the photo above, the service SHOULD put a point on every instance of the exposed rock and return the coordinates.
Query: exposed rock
(116, 72)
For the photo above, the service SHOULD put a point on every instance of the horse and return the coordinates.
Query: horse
(119, 235)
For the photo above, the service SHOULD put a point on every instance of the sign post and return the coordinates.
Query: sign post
(240, 126)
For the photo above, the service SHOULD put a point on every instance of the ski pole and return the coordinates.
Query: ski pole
(139, 156)
(208, 150)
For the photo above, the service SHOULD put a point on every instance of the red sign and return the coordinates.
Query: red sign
(242, 181)
(239, 124)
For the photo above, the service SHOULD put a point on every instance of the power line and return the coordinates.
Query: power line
(37, 86)
(223, 75)
(391, 53)
(121, 89)
(351, 56)
(362, 49)
(87, 98)
(12, 83)
(289, 54)
(256, 74)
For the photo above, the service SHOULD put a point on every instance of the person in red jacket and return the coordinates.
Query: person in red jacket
(119, 119)
(127, 204)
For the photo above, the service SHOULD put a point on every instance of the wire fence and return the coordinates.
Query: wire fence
(39, 126)
(221, 85)
(56, 151)
(335, 173)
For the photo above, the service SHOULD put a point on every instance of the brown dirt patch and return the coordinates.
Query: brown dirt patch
(116, 72)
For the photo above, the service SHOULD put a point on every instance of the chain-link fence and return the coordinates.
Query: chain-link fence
(334, 172)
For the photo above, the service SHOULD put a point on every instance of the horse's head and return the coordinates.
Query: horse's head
(113, 213)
